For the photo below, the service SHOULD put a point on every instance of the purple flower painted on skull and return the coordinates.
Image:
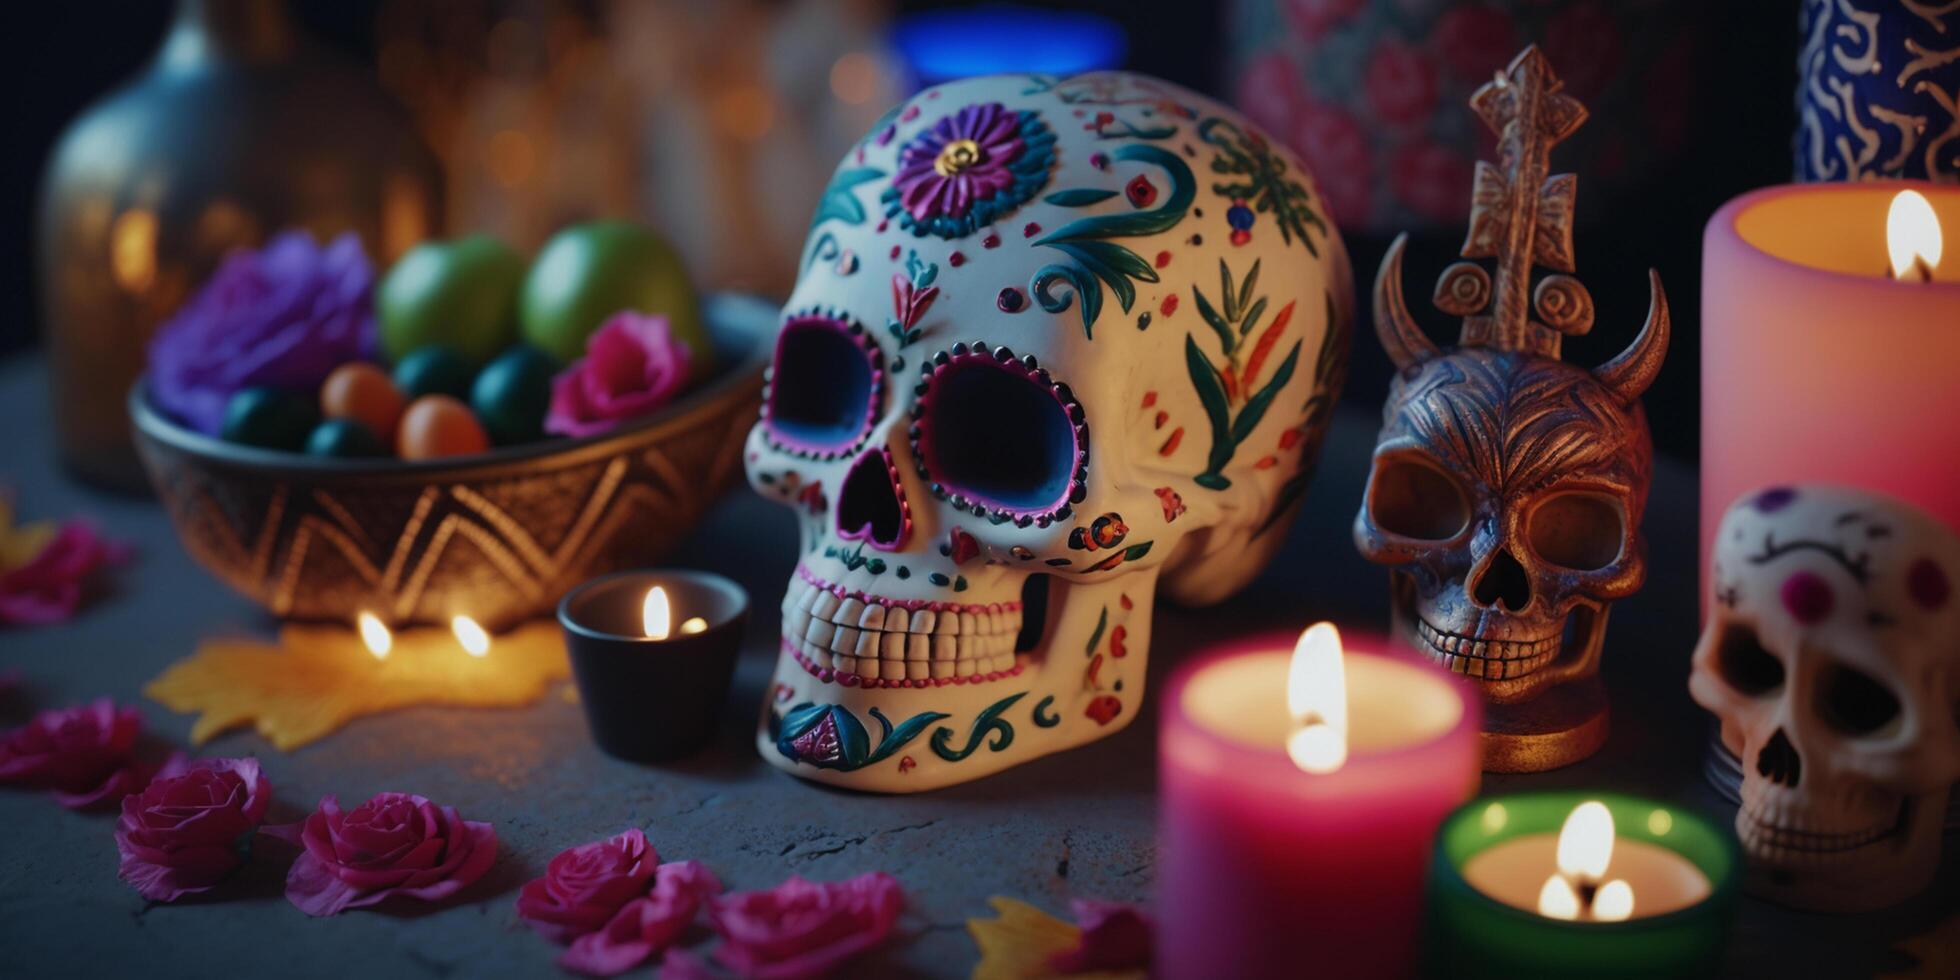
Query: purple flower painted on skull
(969, 169)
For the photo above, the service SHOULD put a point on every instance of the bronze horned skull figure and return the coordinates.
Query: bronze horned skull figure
(1507, 485)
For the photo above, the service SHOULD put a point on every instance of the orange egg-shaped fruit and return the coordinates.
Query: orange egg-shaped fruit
(363, 392)
(436, 426)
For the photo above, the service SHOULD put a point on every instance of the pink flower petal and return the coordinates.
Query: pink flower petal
(644, 926)
(804, 929)
(1115, 936)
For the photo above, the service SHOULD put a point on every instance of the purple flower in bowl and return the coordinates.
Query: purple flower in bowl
(969, 169)
(283, 316)
(633, 364)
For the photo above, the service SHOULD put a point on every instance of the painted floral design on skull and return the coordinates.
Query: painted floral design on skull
(1047, 382)
(970, 168)
(1832, 657)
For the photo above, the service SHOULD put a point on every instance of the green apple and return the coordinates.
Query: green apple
(589, 272)
(461, 294)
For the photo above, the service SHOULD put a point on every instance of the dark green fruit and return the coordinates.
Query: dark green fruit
(344, 438)
(433, 370)
(461, 294)
(270, 418)
(511, 394)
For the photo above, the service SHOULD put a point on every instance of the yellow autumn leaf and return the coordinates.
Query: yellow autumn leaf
(20, 545)
(1020, 941)
(318, 678)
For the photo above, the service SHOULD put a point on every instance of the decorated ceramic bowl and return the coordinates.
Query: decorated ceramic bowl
(497, 536)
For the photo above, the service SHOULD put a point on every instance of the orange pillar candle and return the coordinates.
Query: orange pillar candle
(1819, 363)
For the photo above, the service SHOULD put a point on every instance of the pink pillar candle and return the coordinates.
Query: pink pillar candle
(1818, 365)
(1266, 870)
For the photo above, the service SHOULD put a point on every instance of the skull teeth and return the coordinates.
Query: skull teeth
(1487, 658)
(1785, 837)
(882, 642)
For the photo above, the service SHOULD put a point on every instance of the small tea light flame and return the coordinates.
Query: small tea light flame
(1912, 236)
(656, 616)
(375, 635)
(470, 634)
(1585, 843)
(694, 624)
(1585, 849)
(1316, 697)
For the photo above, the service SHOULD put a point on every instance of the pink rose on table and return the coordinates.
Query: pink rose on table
(632, 365)
(1115, 936)
(394, 844)
(85, 754)
(186, 831)
(585, 885)
(645, 925)
(804, 929)
(47, 585)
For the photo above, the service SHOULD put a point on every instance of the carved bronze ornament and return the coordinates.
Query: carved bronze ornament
(1507, 485)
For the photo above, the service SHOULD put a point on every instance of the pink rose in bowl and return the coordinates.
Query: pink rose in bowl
(188, 829)
(394, 844)
(85, 754)
(804, 929)
(585, 885)
(633, 364)
(645, 925)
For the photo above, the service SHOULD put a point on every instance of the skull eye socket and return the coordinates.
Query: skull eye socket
(1853, 702)
(1580, 531)
(1743, 662)
(997, 435)
(1417, 500)
(823, 385)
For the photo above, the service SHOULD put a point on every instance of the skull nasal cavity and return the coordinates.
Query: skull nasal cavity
(1779, 762)
(872, 503)
(1505, 581)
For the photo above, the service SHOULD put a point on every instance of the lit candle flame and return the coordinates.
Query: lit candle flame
(655, 616)
(1585, 843)
(375, 635)
(694, 624)
(1585, 849)
(1316, 697)
(1912, 236)
(470, 634)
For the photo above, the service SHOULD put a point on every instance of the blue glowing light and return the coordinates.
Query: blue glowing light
(941, 45)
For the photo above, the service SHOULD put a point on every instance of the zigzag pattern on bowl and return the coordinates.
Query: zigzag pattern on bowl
(500, 549)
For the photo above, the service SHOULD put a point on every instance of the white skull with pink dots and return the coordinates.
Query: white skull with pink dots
(1055, 342)
(1832, 657)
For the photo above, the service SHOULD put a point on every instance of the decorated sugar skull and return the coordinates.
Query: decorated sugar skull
(1055, 342)
(1507, 485)
(1832, 657)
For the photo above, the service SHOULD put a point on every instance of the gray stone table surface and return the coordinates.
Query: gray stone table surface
(1077, 824)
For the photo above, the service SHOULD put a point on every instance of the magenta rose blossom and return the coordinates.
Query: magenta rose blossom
(804, 928)
(85, 754)
(585, 885)
(284, 316)
(49, 587)
(188, 829)
(1115, 936)
(645, 925)
(632, 365)
(394, 844)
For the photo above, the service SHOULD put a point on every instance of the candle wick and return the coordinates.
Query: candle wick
(1587, 890)
(1921, 269)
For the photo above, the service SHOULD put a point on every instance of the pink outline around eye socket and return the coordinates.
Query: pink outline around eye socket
(1028, 367)
(851, 330)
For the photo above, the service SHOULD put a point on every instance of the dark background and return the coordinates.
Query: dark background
(67, 55)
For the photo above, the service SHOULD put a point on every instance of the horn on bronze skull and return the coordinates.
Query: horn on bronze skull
(1400, 335)
(1630, 373)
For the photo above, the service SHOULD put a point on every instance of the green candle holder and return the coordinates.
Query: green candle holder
(1470, 934)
